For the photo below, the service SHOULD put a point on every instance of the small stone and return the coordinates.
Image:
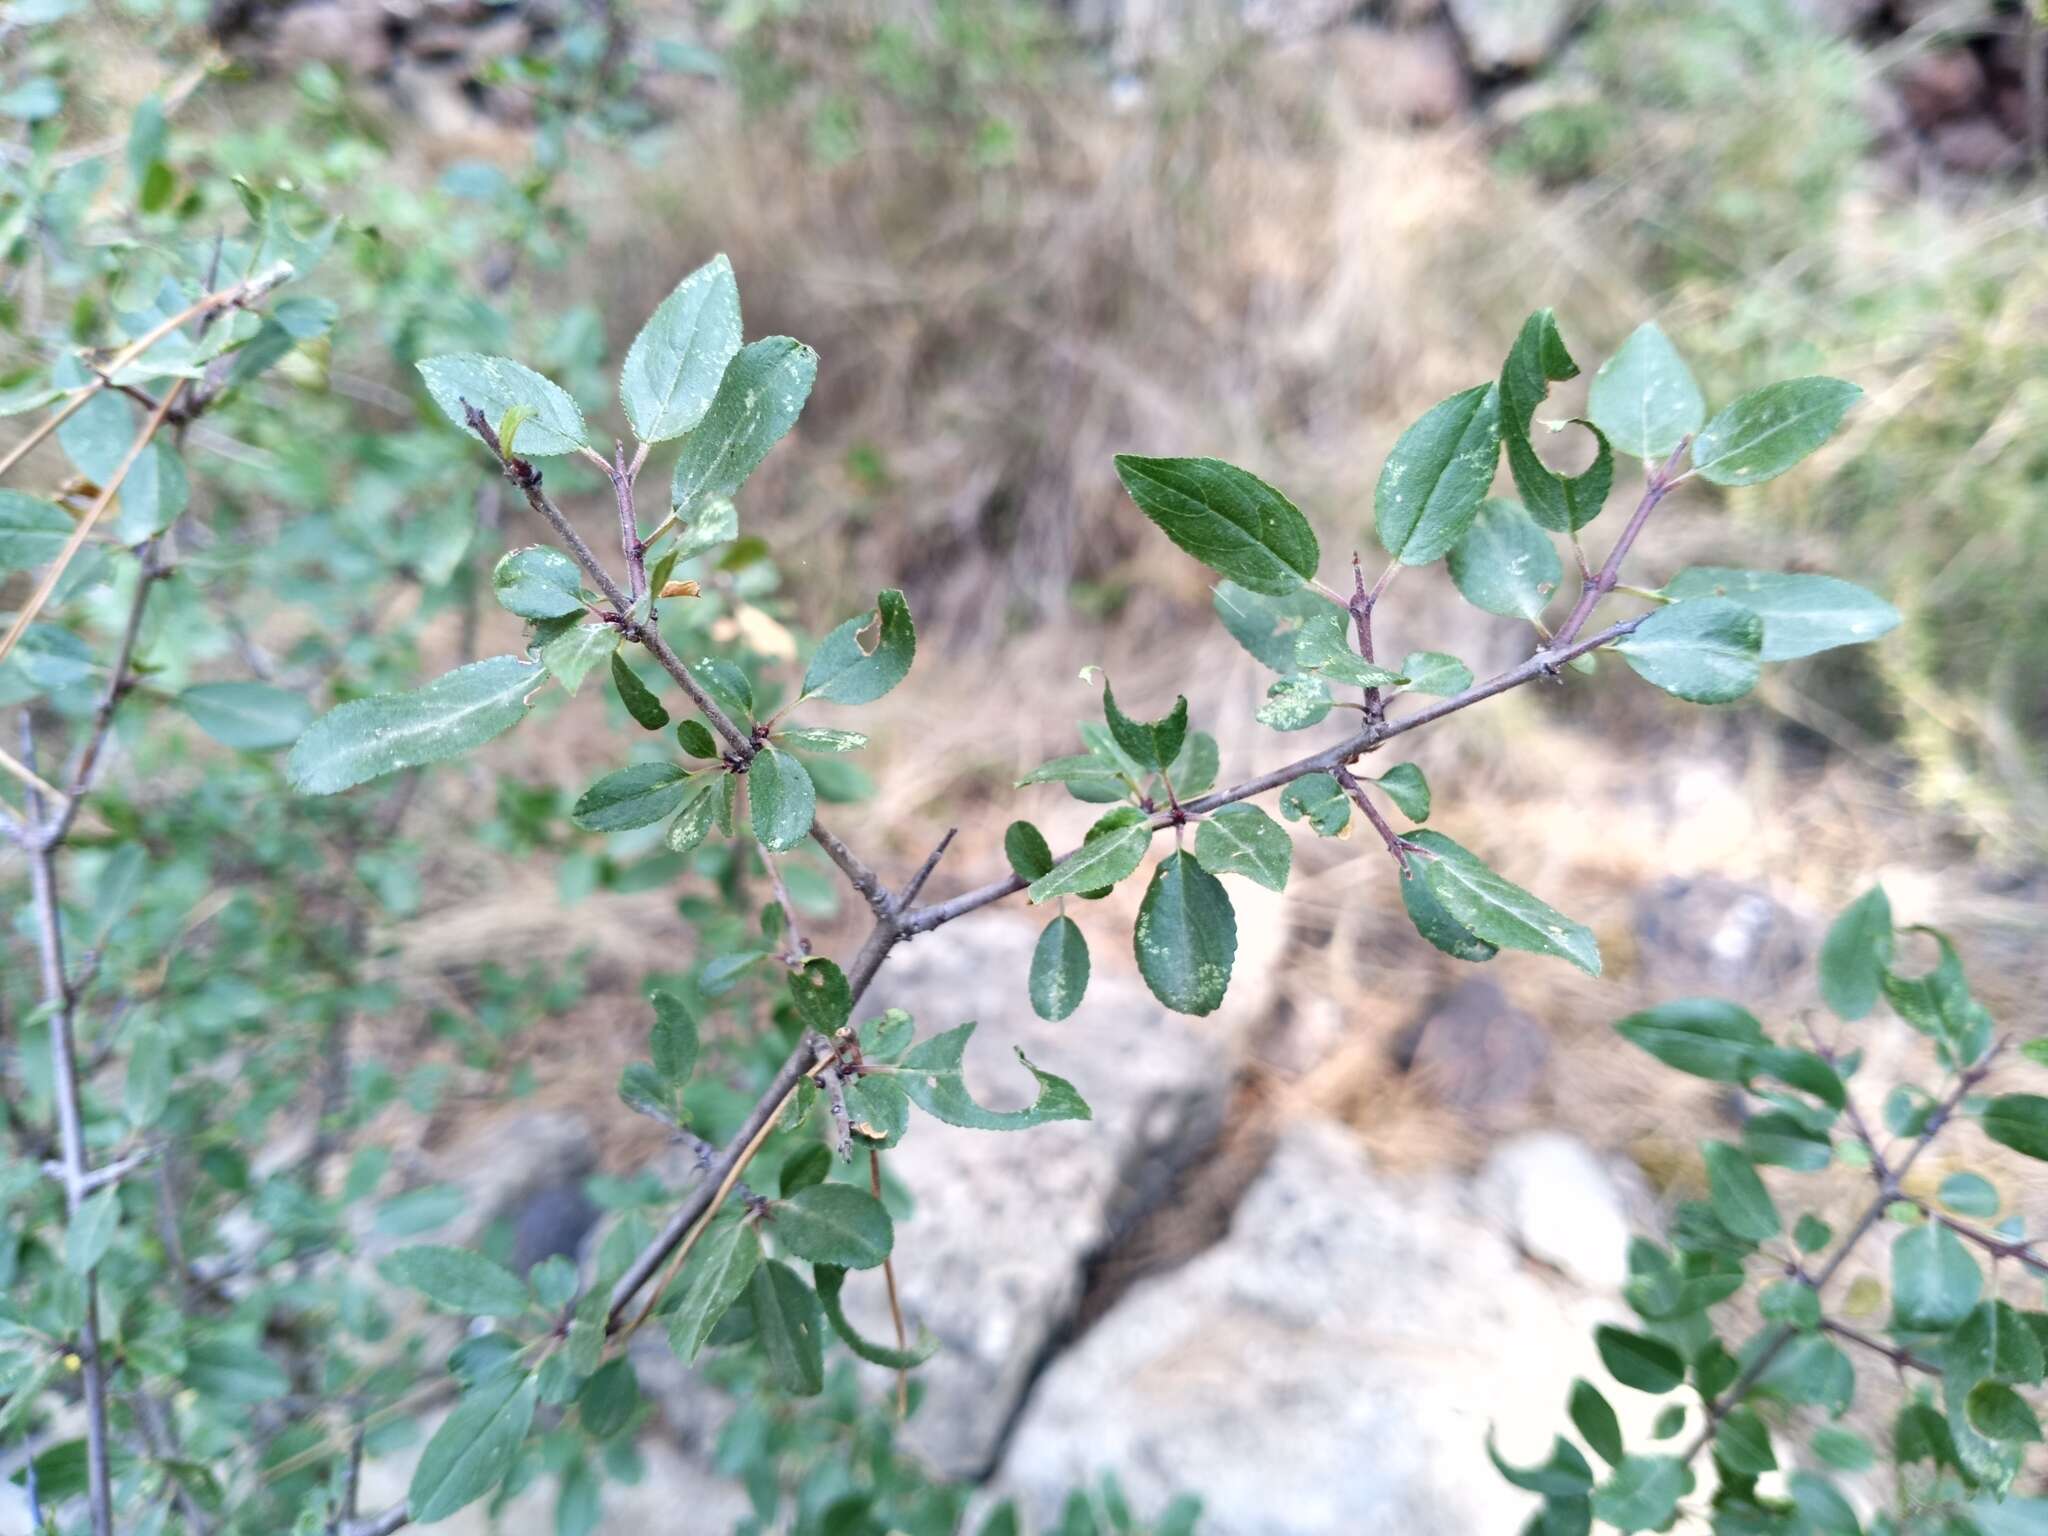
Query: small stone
(1476, 1051)
(1560, 1206)
(1936, 86)
(1974, 147)
(1505, 36)
(1409, 77)
(1709, 936)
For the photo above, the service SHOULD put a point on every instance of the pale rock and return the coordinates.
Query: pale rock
(1560, 1207)
(1503, 36)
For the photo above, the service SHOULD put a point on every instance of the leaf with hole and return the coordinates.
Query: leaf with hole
(933, 1075)
(845, 672)
(830, 1281)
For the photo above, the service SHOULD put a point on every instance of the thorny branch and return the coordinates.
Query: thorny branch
(896, 919)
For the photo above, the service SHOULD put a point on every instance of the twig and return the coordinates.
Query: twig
(858, 875)
(76, 542)
(1361, 606)
(107, 1173)
(1397, 845)
(71, 1142)
(1904, 1359)
(799, 947)
(1655, 490)
(916, 882)
(1887, 1192)
(889, 1279)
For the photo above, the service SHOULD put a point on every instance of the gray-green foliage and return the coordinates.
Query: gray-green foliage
(1747, 1381)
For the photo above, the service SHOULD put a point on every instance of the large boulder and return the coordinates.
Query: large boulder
(1333, 1366)
(1512, 36)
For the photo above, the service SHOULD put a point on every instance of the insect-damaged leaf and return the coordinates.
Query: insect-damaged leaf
(933, 1076)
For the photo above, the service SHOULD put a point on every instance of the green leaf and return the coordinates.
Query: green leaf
(1295, 703)
(1408, 789)
(1243, 840)
(1086, 775)
(538, 583)
(1998, 1413)
(931, 1073)
(1497, 910)
(608, 1399)
(716, 521)
(32, 532)
(456, 1280)
(419, 1210)
(381, 734)
(1643, 1493)
(1792, 1302)
(1059, 970)
(1768, 430)
(473, 1449)
(1969, 1194)
(230, 1371)
(1822, 1509)
(726, 684)
(1802, 615)
(1644, 397)
(644, 1091)
(1706, 650)
(1698, 1035)
(673, 1040)
(570, 654)
(1321, 644)
(638, 796)
(91, 1231)
(1435, 673)
(1505, 564)
(1996, 1341)
(1939, 1004)
(1109, 853)
(1537, 360)
(834, 1224)
(1786, 1141)
(1029, 854)
(822, 997)
(1855, 953)
(845, 673)
(146, 1091)
(1186, 937)
(1743, 1444)
(1437, 925)
(1233, 522)
(494, 385)
(1319, 798)
(758, 401)
(780, 799)
(647, 711)
(800, 738)
(1811, 1233)
(1935, 1282)
(695, 738)
(2019, 1121)
(250, 717)
(1595, 1420)
(830, 1280)
(1149, 744)
(879, 1110)
(1740, 1201)
(1564, 1475)
(1263, 624)
(1842, 1449)
(1637, 1360)
(693, 821)
(786, 1328)
(715, 1276)
(1434, 481)
(674, 365)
